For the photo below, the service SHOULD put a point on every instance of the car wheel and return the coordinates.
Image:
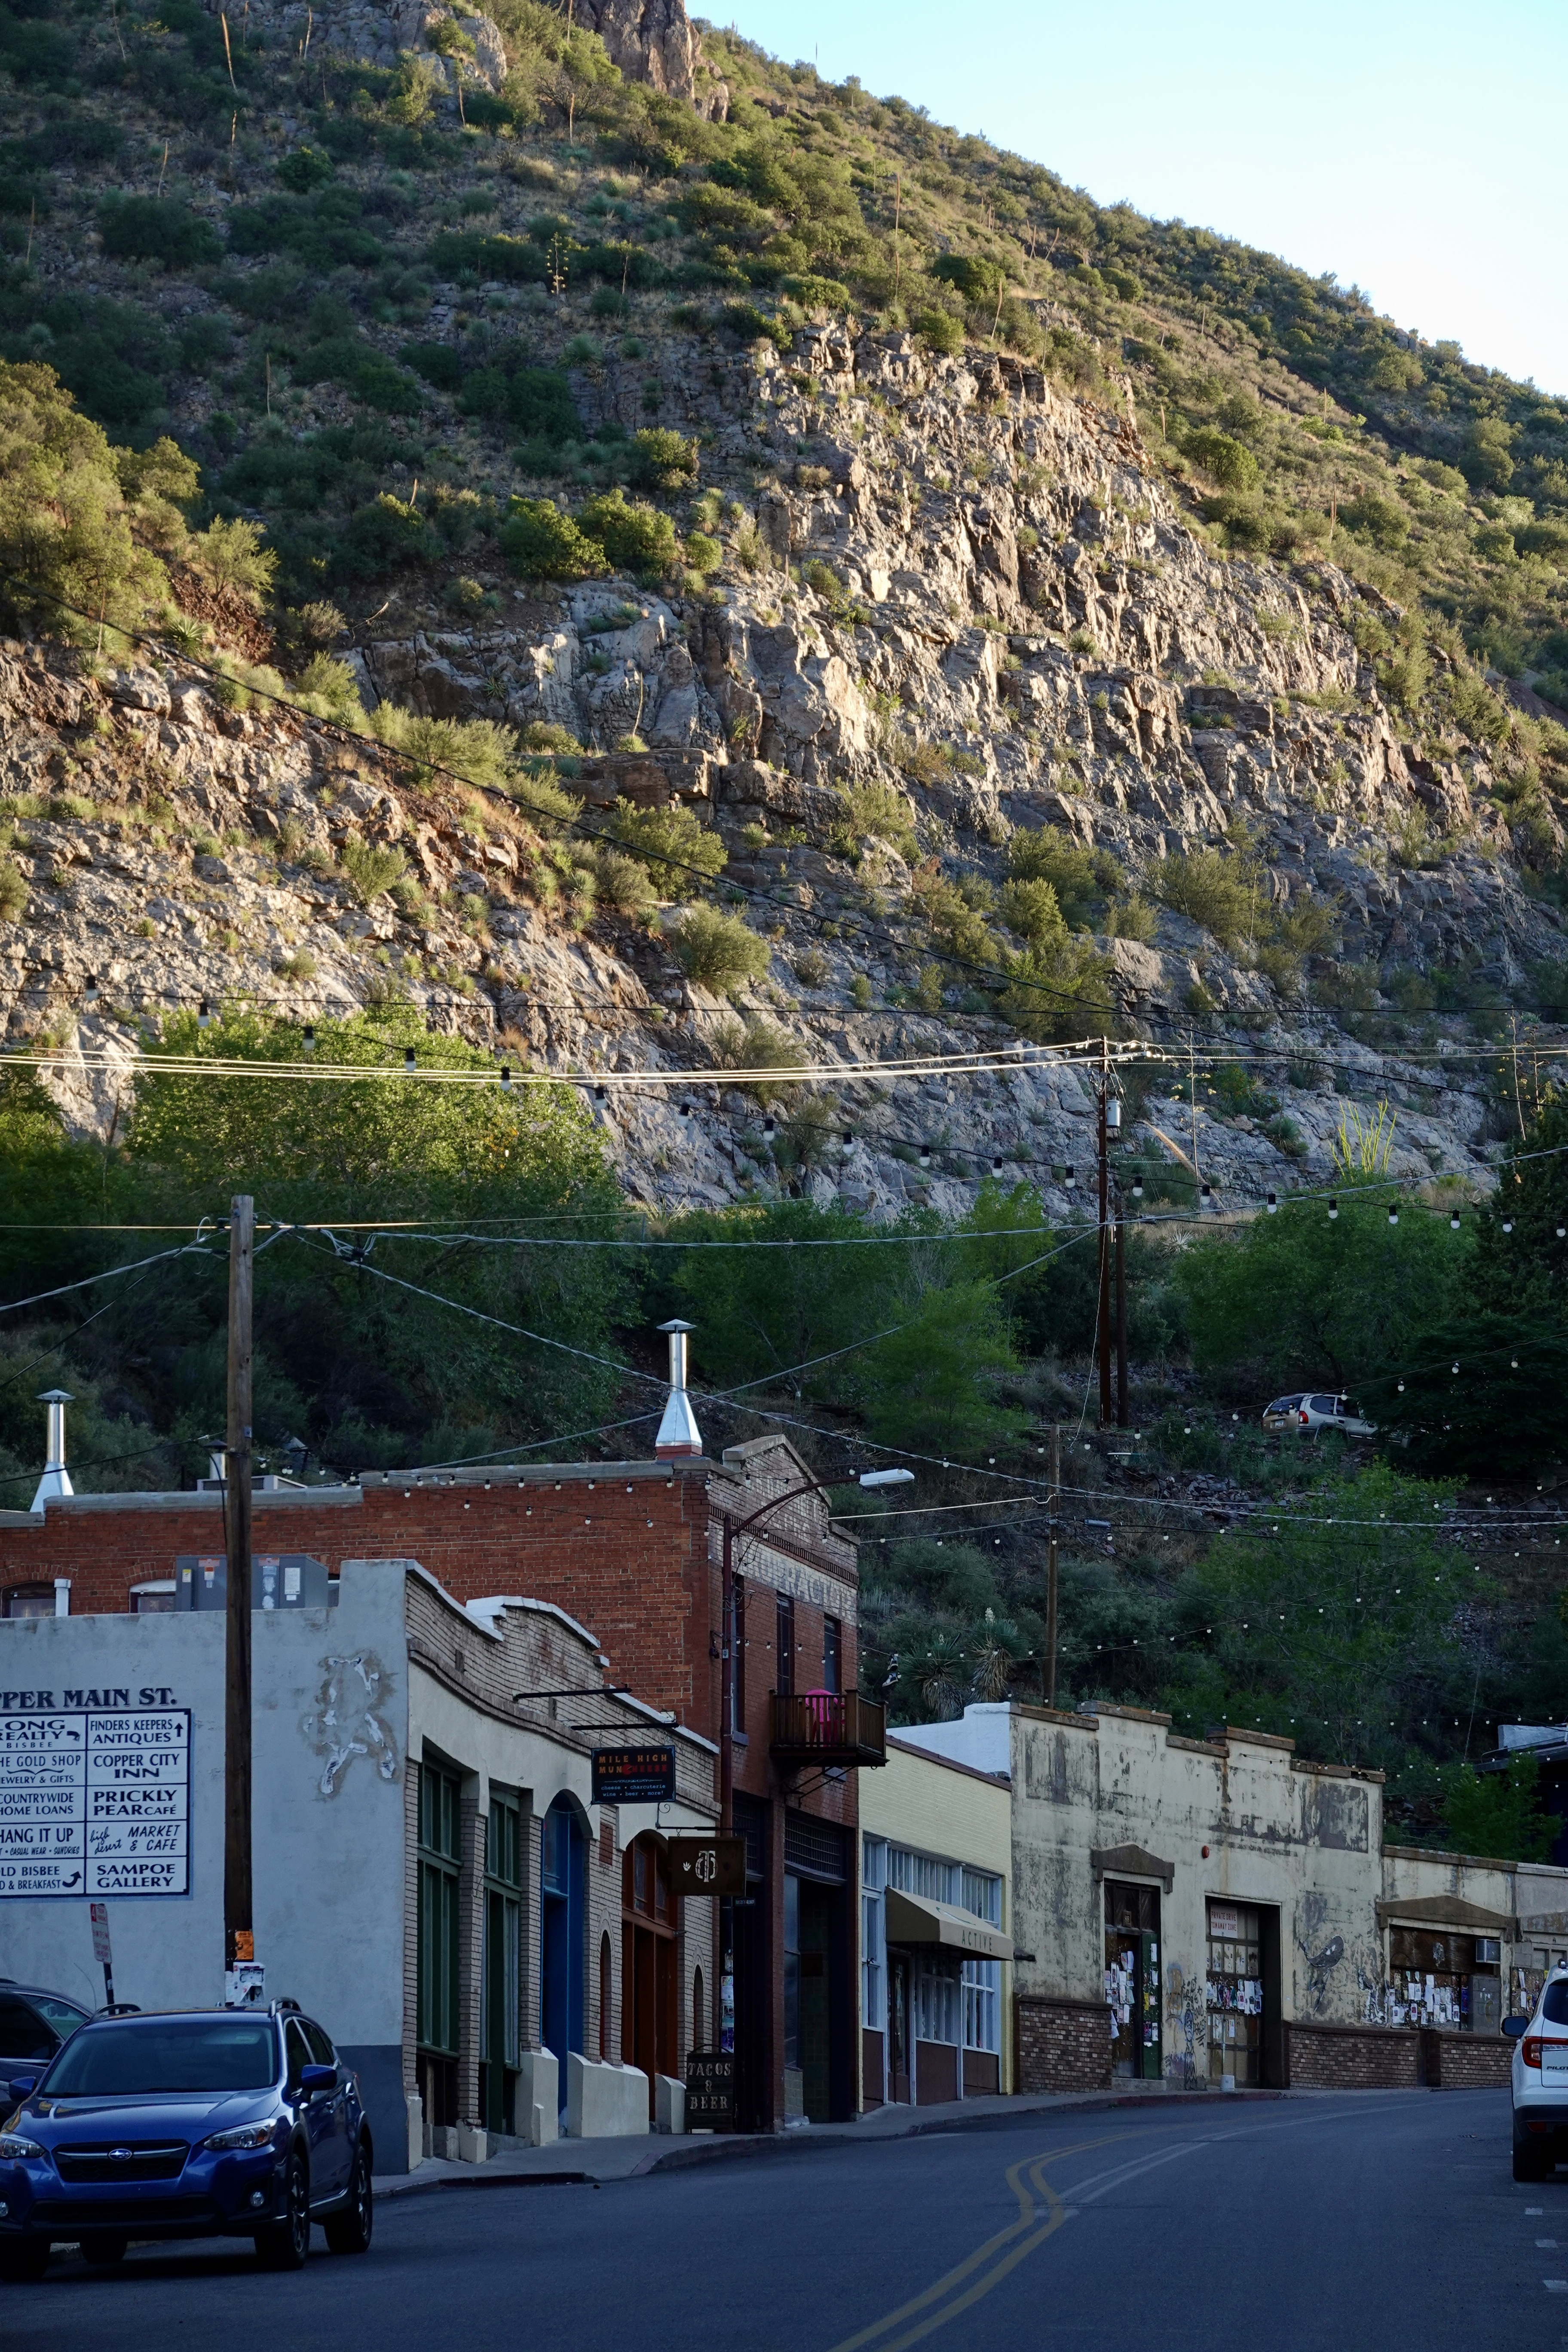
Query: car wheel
(348, 2232)
(104, 2246)
(28, 2259)
(284, 2246)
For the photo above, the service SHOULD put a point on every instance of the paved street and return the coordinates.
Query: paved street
(1388, 2222)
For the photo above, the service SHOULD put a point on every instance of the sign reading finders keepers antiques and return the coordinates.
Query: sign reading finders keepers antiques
(634, 1776)
(95, 1802)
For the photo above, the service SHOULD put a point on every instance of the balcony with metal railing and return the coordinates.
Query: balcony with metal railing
(827, 1727)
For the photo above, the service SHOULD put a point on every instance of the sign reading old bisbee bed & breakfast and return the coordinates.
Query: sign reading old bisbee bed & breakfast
(95, 1801)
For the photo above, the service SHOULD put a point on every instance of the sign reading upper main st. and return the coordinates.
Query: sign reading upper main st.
(94, 1800)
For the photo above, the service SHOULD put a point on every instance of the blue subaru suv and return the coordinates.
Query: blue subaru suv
(197, 2122)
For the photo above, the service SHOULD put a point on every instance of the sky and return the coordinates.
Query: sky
(1416, 151)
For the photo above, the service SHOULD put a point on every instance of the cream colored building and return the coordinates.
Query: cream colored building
(1224, 1911)
(936, 1949)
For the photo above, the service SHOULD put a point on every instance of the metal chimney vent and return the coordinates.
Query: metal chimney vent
(677, 1432)
(55, 1482)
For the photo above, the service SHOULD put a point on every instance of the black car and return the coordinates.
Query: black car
(34, 2023)
(191, 2123)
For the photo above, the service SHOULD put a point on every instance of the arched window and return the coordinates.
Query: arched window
(605, 1989)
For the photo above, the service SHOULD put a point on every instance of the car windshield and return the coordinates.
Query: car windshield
(168, 2054)
(1285, 1404)
(63, 2015)
(1554, 2002)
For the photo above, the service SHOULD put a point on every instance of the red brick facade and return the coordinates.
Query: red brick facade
(632, 1550)
(1062, 2045)
(1322, 2057)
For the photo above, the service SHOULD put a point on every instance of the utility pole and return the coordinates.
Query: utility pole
(1121, 1313)
(239, 1941)
(1102, 1321)
(1055, 1506)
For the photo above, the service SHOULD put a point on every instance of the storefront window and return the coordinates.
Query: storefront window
(982, 2004)
(873, 1936)
(1234, 1992)
(1447, 1981)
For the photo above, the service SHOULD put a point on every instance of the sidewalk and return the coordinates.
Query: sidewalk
(588, 2163)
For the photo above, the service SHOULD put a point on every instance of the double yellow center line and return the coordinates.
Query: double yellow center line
(1041, 2212)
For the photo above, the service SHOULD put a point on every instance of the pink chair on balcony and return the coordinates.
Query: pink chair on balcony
(823, 1709)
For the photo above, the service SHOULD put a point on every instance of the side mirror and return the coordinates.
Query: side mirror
(1515, 2026)
(23, 2086)
(317, 2078)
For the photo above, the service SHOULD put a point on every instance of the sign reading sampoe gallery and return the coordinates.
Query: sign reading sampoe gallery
(95, 1795)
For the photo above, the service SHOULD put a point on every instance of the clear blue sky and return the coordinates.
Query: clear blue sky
(1418, 151)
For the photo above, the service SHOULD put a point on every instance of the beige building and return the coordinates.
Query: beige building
(936, 1944)
(1224, 1911)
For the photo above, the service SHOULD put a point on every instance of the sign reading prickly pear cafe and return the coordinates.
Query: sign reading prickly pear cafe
(95, 1795)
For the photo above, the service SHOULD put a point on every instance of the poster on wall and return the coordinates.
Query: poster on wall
(95, 1802)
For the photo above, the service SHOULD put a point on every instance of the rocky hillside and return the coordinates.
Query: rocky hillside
(997, 649)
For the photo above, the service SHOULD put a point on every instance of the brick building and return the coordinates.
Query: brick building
(634, 1551)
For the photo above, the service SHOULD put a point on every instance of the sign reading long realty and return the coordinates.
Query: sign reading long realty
(94, 1798)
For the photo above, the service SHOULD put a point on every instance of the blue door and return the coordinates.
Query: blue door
(562, 1907)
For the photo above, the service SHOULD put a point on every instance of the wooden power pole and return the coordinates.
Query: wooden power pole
(238, 1918)
(1103, 1320)
(1056, 1508)
(1120, 1313)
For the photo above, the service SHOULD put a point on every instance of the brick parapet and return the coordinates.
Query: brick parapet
(1062, 2045)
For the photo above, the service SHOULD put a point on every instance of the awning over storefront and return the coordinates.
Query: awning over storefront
(916, 1919)
(1450, 1911)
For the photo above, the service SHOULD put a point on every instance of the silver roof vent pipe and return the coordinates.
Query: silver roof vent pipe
(55, 1480)
(679, 1434)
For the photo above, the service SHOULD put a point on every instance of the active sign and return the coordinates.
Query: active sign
(95, 1802)
(634, 1776)
(711, 2090)
(708, 1866)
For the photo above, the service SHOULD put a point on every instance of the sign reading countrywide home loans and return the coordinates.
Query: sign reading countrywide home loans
(95, 1801)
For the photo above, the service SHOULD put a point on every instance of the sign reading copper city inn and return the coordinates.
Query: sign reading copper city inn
(95, 1795)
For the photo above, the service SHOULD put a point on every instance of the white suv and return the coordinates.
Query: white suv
(1541, 2082)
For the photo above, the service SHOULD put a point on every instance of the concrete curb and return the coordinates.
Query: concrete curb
(871, 2131)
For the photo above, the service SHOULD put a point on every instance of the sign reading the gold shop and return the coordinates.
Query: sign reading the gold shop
(95, 1802)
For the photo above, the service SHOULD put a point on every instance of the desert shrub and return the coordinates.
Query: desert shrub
(13, 892)
(154, 228)
(662, 460)
(1217, 892)
(1228, 461)
(381, 534)
(1030, 910)
(1382, 521)
(677, 851)
(329, 689)
(718, 950)
(622, 882)
(541, 542)
(66, 545)
(939, 330)
(978, 280)
(874, 810)
(757, 1043)
(231, 554)
(305, 169)
(372, 869)
(1082, 878)
(439, 363)
(635, 537)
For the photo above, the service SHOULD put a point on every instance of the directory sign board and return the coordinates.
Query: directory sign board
(95, 1801)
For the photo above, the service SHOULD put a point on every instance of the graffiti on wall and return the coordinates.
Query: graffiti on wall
(1186, 2023)
(344, 1722)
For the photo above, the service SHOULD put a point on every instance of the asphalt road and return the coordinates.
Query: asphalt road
(1383, 2222)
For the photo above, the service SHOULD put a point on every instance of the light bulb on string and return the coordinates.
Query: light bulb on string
(1333, 1207)
(1271, 1204)
(686, 1110)
(410, 1059)
(770, 1128)
(506, 1076)
(1508, 1224)
(925, 1155)
(1453, 1221)
(1393, 1214)
(308, 1038)
(90, 993)
(203, 1014)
